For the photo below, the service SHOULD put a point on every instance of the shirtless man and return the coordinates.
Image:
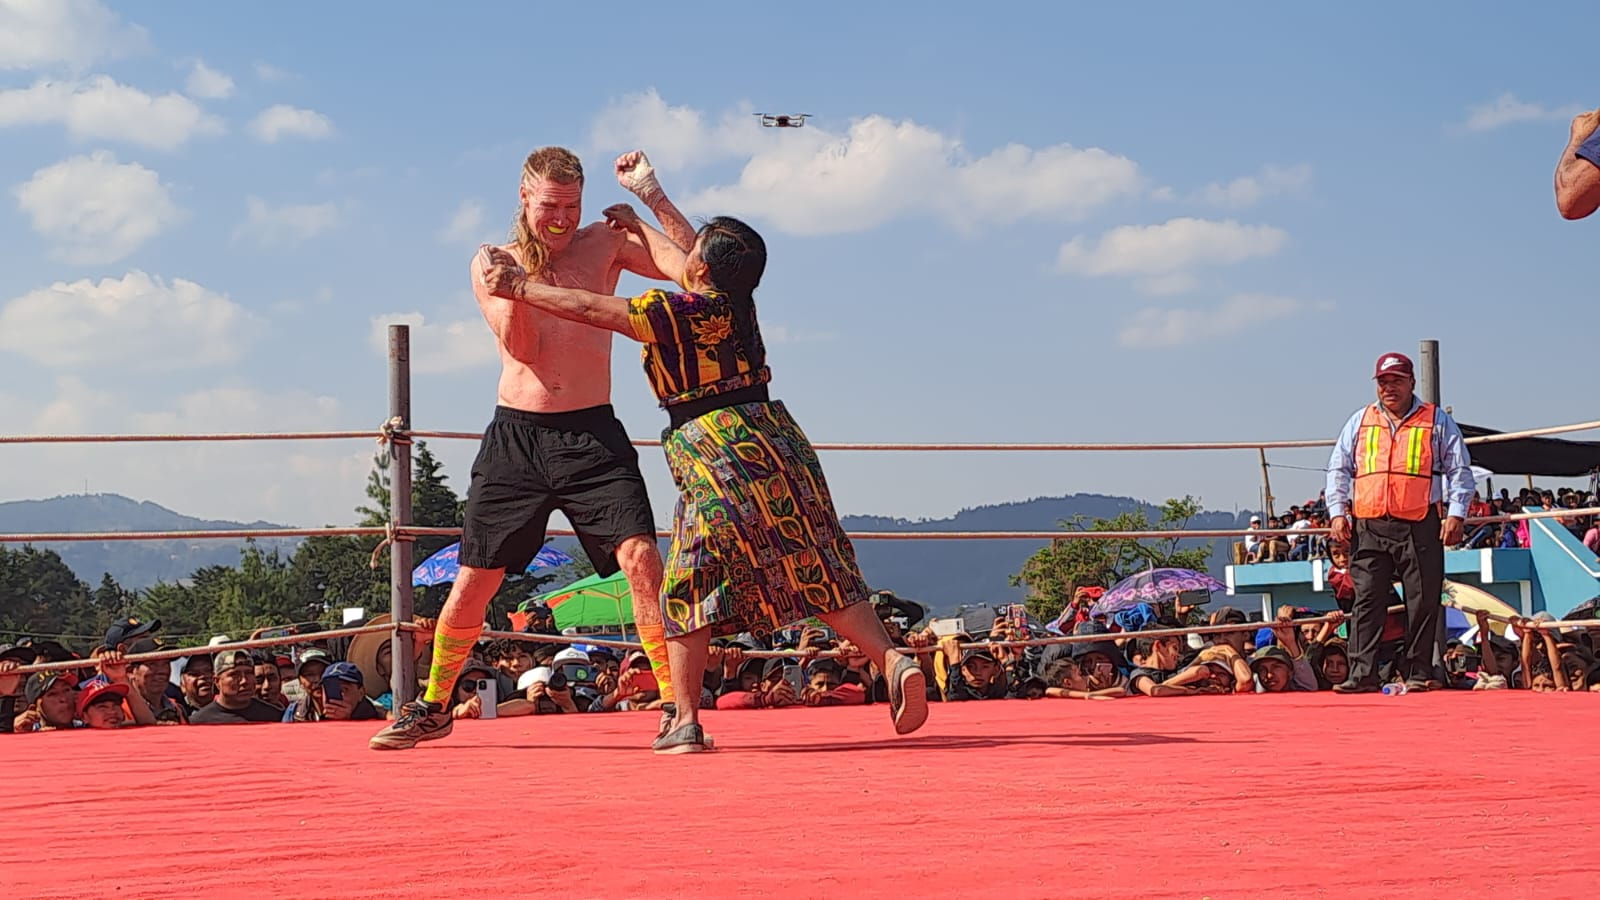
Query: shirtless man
(1578, 172)
(554, 443)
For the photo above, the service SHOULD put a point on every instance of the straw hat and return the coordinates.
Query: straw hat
(364, 650)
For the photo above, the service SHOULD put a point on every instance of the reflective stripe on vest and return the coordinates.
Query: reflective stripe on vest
(1394, 470)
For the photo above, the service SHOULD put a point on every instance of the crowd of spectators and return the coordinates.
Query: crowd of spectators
(322, 680)
(1313, 514)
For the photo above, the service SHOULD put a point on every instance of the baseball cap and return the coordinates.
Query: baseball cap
(344, 671)
(570, 655)
(1393, 364)
(40, 682)
(1255, 519)
(535, 675)
(144, 645)
(228, 659)
(311, 656)
(96, 688)
(1272, 652)
(127, 630)
(24, 655)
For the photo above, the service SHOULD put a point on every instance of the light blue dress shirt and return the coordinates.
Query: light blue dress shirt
(1452, 464)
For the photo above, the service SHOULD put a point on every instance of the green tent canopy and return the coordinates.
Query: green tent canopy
(592, 602)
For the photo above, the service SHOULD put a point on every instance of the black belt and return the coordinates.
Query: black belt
(679, 414)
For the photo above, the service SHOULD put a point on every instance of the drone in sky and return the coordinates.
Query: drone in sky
(793, 120)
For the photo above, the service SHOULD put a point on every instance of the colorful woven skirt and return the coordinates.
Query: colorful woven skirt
(756, 543)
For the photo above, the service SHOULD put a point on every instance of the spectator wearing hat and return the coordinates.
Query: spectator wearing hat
(52, 698)
(971, 674)
(236, 702)
(125, 632)
(1395, 462)
(342, 695)
(197, 684)
(150, 680)
(99, 703)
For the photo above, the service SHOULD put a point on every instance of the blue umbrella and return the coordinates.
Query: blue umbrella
(444, 566)
(1153, 586)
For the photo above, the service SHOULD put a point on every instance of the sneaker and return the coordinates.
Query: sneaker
(688, 739)
(419, 721)
(908, 695)
(669, 714)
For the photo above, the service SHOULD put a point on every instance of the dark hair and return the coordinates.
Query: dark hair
(735, 258)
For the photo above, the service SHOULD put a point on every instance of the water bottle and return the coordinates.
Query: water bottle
(1394, 689)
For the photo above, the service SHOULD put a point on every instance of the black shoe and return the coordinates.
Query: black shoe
(908, 695)
(1366, 686)
(1419, 685)
(419, 720)
(688, 739)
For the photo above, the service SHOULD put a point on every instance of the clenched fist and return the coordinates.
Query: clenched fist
(501, 273)
(638, 177)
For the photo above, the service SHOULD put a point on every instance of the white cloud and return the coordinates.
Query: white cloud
(102, 109)
(96, 209)
(298, 484)
(280, 226)
(782, 334)
(1174, 326)
(1506, 109)
(136, 321)
(281, 121)
(75, 33)
(1249, 190)
(439, 347)
(813, 181)
(269, 72)
(1172, 247)
(466, 226)
(209, 84)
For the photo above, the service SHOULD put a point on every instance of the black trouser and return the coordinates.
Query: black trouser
(1382, 551)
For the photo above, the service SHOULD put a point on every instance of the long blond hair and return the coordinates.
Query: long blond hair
(555, 164)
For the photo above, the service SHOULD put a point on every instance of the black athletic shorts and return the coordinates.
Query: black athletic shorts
(531, 464)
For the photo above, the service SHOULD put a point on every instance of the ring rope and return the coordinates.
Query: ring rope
(210, 649)
(392, 532)
(395, 430)
(286, 640)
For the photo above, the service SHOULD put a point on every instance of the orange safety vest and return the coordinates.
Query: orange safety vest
(1394, 471)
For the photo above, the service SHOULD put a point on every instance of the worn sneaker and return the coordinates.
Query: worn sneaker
(669, 714)
(688, 739)
(419, 720)
(908, 695)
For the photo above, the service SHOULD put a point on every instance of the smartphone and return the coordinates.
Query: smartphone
(796, 677)
(488, 690)
(333, 689)
(643, 680)
(578, 673)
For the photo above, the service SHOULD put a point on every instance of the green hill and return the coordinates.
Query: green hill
(134, 564)
(939, 574)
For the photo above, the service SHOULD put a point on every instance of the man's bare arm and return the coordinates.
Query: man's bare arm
(647, 251)
(500, 277)
(1577, 179)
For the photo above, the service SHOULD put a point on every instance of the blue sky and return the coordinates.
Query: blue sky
(1033, 224)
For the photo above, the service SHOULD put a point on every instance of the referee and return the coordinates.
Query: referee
(1399, 458)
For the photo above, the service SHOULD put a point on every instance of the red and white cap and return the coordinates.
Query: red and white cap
(1393, 364)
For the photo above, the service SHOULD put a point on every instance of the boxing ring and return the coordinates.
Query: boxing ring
(1293, 794)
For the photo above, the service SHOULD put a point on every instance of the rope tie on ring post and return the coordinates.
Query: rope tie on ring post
(392, 534)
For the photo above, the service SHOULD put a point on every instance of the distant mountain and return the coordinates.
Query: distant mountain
(134, 564)
(941, 575)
